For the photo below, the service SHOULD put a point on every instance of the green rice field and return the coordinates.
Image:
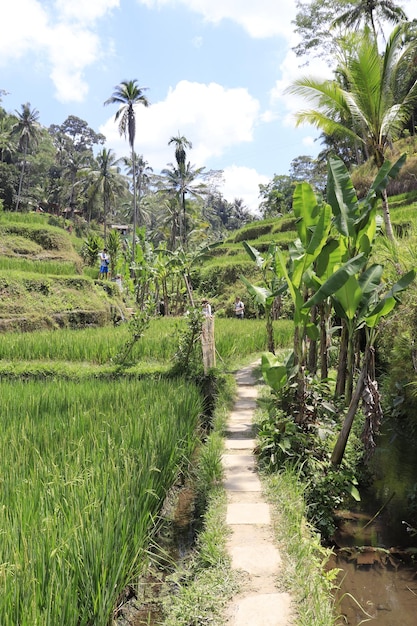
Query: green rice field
(88, 453)
(84, 470)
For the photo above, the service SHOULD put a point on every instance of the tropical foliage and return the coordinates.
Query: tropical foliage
(371, 98)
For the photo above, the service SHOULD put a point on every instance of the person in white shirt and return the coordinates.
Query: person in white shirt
(104, 263)
(239, 308)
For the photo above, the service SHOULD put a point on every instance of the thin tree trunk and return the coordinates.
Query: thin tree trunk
(140, 217)
(324, 361)
(339, 449)
(312, 350)
(189, 287)
(341, 368)
(387, 218)
(350, 368)
(269, 330)
(301, 383)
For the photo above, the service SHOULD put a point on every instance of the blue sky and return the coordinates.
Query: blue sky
(215, 72)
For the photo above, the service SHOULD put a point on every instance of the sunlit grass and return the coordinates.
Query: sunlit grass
(51, 268)
(235, 340)
(84, 470)
(304, 558)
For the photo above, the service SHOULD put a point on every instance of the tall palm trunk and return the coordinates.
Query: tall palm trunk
(140, 216)
(134, 206)
(22, 171)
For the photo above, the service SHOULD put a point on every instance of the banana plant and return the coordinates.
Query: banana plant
(272, 285)
(372, 309)
(356, 224)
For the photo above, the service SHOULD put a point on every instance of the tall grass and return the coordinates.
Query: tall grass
(97, 345)
(53, 268)
(84, 469)
(303, 570)
(23, 218)
(235, 340)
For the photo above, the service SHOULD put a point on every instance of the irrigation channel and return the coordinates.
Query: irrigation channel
(376, 544)
(175, 540)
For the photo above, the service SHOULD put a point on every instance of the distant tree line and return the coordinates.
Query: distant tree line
(68, 171)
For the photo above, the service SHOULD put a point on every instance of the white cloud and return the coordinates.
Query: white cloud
(309, 141)
(263, 18)
(61, 41)
(70, 51)
(23, 26)
(84, 11)
(243, 182)
(212, 117)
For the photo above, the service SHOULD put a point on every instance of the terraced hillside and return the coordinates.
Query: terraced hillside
(42, 281)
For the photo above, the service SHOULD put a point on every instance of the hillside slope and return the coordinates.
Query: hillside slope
(42, 284)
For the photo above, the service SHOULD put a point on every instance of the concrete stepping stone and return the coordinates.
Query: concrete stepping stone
(251, 544)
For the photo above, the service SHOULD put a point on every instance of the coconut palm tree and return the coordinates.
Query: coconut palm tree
(27, 129)
(374, 104)
(179, 182)
(128, 94)
(369, 12)
(106, 181)
(181, 143)
(144, 172)
(181, 179)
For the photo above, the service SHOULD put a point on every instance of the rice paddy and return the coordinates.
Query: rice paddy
(86, 461)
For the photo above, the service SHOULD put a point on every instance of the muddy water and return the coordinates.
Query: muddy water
(378, 540)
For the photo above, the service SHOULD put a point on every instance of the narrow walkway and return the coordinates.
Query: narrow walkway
(251, 544)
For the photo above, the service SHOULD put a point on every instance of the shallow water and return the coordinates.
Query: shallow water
(380, 586)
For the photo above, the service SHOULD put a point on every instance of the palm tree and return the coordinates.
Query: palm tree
(75, 162)
(128, 94)
(368, 12)
(181, 143)
(179, 182)
(144, 172)
(106, 181)
(375, 102)
(27, 128)
(181, 178)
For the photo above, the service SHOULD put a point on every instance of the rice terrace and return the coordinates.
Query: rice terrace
(170, 360)
(93, 436)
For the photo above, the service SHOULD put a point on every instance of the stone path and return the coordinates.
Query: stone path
(251, 544)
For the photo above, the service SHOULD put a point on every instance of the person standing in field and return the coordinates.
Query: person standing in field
(104, 263)
(239, 308)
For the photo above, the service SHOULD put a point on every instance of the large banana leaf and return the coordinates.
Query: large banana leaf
(389, 301)
(276, 372)
(341, 196)
(261, 295)
(337, 280)
(306, 210)
(349, 297)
